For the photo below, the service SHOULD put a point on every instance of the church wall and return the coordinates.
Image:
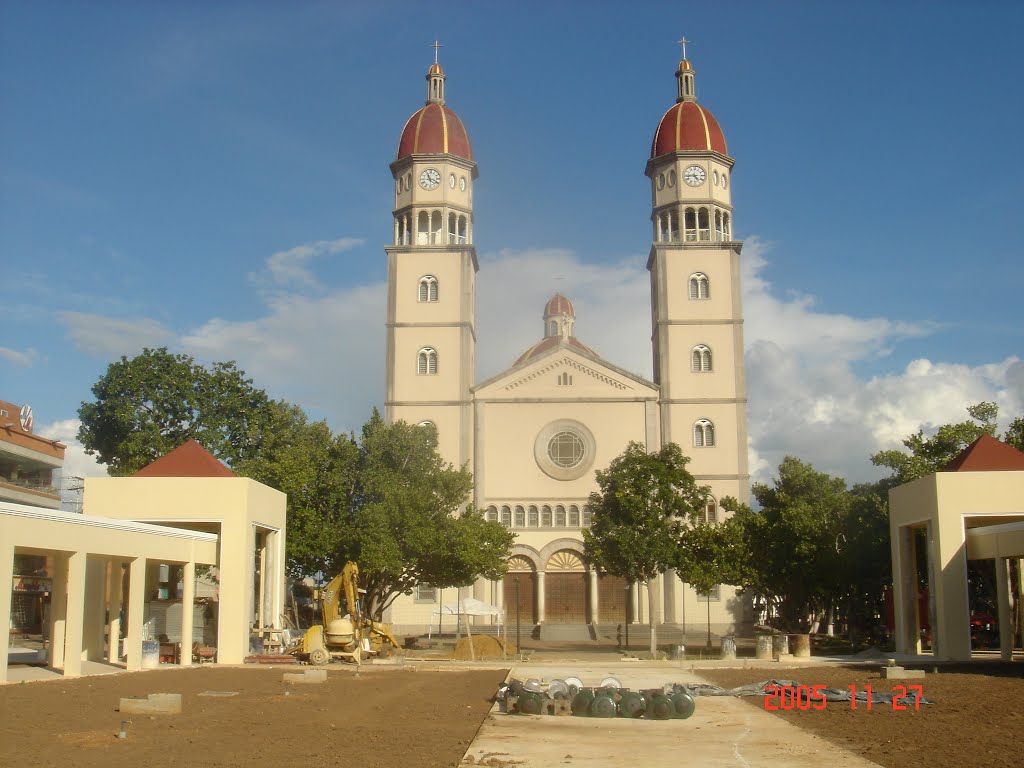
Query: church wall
(447, 267)
(717, 264)
(720, 381)
(510, 433)
(411, 386)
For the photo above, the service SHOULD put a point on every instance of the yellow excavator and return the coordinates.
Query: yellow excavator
(350, 636)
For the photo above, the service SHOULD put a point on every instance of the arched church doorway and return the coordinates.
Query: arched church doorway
(565, 582)
(521, 568)
(612, 599)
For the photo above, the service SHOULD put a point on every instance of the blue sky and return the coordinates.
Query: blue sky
(214, 177)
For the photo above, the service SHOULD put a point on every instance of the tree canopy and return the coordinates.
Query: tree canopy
(643, 501)
(930, 454)
(791, 542)
(404, 526)
(150, 404)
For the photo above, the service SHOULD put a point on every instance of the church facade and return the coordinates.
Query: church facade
(534, 435)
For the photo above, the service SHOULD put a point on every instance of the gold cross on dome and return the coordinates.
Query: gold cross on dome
(436, 45)
(683, 41)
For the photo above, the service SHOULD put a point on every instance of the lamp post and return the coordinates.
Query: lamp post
(519, 650)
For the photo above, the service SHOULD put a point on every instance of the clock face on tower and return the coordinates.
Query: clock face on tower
(694, 175)
(430, 178)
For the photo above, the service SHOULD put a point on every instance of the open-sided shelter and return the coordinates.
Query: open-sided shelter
(971, 510)
(189, 489)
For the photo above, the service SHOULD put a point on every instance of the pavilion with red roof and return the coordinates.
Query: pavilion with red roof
(972, 509)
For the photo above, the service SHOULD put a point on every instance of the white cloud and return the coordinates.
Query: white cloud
(21, 359)
(290, 268)
(110, 337)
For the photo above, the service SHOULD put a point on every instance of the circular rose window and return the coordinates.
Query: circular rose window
(564, 449)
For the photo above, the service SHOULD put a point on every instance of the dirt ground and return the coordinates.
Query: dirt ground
(384, 717)
(977, 719)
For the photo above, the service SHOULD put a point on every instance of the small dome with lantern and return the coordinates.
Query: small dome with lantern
(435, 129)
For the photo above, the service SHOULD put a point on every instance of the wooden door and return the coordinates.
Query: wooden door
(612, 599)
(527, 599)
(565, 601)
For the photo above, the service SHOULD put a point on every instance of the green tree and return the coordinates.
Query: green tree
(931, 454)
(406, 523)
(711, 554)
(865, 559)
(643, 501)
(791, 541)
(317, 471)
(147, 406)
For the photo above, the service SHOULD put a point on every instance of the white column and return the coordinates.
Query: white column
(58, 609)
(136, 606)
(498, 591)
(188, 599)
(1005, 614)
(540, 597)
(658, 607)
(642, 605)
(592, 587)
(116, 581)
(75, 620)
(6, 585)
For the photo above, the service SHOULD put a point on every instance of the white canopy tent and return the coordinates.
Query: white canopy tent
(469, 606)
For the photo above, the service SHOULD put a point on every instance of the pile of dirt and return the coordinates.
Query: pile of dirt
(976, 720)
(384, 717)
(483, 647)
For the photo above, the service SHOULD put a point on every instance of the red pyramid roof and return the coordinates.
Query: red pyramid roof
(986, 454)
(187, 460)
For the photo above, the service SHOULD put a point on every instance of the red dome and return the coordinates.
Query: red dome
(434, 130)
(688, 126)
(557, 305)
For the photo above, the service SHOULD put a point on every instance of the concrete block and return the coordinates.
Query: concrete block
(899, 673)
(154, 704)
(785, 658)
(306, 676)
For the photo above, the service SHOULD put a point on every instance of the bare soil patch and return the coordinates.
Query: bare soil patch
(977, 718)
(385, 717)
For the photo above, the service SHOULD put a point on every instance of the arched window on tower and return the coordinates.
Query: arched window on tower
(700, 286)
(463, 230)
(703, 434)
(690, 224)
(423, 228)
(704, 224)
(673, 225)
(701, 359)
(453, 229)
(492, 514)
(426, 362)
(726, 226)
(506, 517)
(718, 225)
(428, 288)
(553, 328)
(435, 228)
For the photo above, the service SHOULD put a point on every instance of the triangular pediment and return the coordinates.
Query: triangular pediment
(565, 373)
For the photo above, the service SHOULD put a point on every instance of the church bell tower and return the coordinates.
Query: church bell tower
(696, 311)
(432, 266)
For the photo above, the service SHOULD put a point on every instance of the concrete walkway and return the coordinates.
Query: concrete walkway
(723, 731)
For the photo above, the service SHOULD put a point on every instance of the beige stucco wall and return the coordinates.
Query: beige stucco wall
(236, 508)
